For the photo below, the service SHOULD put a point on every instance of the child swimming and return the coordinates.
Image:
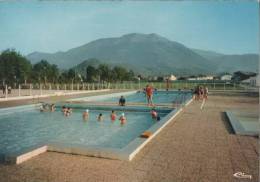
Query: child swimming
(122, 119)
(154, 114)
(100, 117)
(52, 108)
(85, 114)
(113, 116)
(68, 111)
(63, 108)
(44, 107)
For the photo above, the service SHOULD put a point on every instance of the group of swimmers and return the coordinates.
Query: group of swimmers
(201, 93)
(113, 117)
(122, 117)
(67, 111)
(47, 107)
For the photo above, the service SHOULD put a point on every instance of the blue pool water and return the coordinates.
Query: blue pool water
(158, 97)
(26, 129)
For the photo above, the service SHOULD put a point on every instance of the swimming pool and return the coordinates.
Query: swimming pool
(29, 129)
(139, 97)
(244, 122)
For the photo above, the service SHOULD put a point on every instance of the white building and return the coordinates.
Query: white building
(206, 78)
(171, 78)
(192, 78)
(253, 81)
(226, 77)
(201, 78)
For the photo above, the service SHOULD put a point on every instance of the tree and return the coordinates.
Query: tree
(105, 72)
(53, 73)
(71, 75)
(119, 73)
(91, 73)
(63, 77)
(130, 75)
(14, 68)
(45, 72)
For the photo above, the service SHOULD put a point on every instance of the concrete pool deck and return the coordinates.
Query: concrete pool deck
(196, 147)
(54, 98)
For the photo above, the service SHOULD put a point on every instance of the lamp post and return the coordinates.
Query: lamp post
(139, 86)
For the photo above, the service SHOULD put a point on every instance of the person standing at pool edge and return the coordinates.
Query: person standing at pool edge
(121, 101)
(149, 94)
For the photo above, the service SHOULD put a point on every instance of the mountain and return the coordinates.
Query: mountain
(144, 53)
(81, 68)
(231, 63)
(207, 54)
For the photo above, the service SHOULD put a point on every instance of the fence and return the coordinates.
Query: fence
(182, 85)
(41, 89)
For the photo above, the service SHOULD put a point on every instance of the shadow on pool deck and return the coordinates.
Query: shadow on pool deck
(226, 123)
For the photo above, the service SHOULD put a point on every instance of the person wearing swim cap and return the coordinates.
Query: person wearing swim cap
(122, 119)
(85, 114)
(113, 116)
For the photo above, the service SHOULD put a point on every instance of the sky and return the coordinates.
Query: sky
(50, 26)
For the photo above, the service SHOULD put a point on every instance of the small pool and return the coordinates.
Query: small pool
(244, 123)
(140, 97)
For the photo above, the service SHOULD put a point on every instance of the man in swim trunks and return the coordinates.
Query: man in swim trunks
(122, 101)
(149, 94)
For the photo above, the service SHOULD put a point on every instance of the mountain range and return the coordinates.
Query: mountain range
(149, 54)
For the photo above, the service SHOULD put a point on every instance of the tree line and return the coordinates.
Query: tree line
(16, 69)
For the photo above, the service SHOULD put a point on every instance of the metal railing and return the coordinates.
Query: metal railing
(49, 88)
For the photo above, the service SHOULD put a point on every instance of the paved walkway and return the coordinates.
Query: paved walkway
(196, 147)
(53, 98)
